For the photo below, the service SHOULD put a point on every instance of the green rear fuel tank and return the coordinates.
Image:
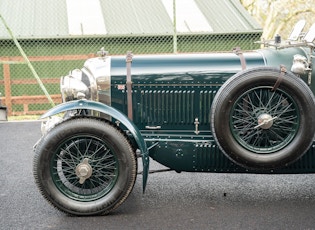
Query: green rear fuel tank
(149, 67)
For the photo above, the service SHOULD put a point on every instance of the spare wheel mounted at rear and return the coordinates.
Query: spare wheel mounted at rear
(260, 126)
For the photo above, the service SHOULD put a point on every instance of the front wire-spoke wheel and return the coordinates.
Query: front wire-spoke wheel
(85, 166)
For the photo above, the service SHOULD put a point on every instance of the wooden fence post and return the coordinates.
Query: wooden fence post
(7, 87)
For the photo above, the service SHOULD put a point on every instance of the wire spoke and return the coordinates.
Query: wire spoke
(103, 163)
(281, 112)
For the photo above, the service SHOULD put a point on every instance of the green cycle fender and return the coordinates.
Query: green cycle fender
(114, 113)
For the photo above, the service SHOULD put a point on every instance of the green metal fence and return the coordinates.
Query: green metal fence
(53, 58)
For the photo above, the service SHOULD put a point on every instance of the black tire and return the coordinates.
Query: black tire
(85, 166)
(260, 128)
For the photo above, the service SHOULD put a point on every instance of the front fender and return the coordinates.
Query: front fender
(114, 113)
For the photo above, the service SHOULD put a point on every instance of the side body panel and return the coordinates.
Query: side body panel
(172, 97)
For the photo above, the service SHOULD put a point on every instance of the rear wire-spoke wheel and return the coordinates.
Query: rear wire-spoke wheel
(260, 126)
(85, 167)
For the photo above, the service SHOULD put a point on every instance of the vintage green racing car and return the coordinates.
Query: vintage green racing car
(236, 112)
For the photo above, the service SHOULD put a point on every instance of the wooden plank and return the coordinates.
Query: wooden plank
(37, 99)
(32, 81)
(33, 112)
(46, 58)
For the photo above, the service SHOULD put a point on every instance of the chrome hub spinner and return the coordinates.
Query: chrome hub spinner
(265, 121)
(83, 170)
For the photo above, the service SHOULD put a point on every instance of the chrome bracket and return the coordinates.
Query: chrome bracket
(196, 126)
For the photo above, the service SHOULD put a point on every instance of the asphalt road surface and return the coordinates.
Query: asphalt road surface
(171, 201)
